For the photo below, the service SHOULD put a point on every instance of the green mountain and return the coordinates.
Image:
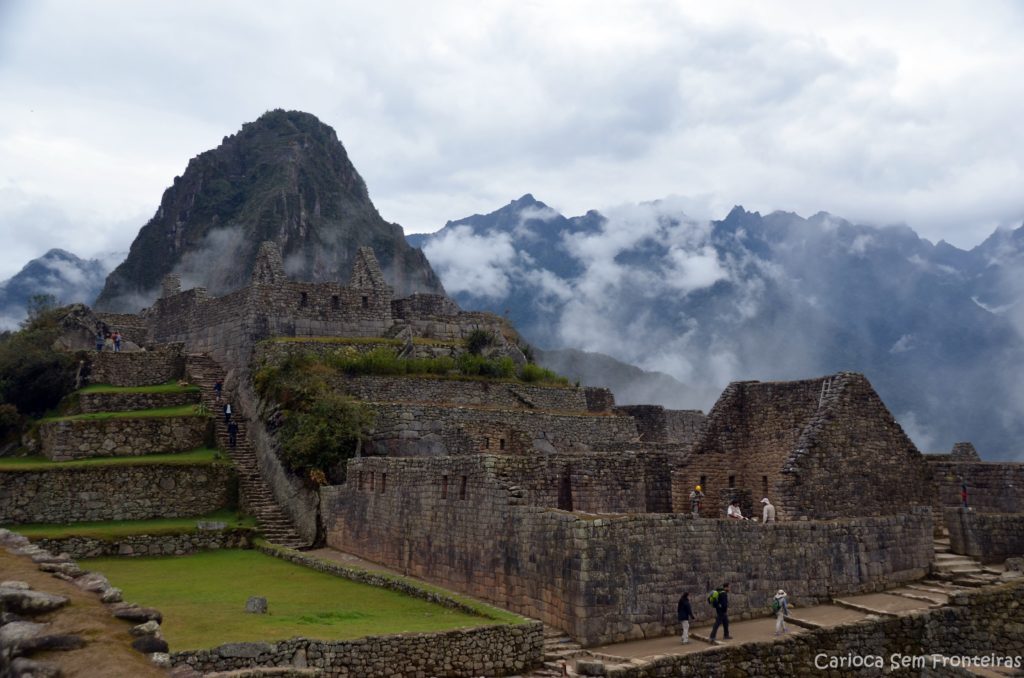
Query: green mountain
(285, 177)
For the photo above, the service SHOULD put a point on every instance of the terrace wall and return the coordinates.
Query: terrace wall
(127, 402)
(70, 495)
(70, 439)
(423, 430)
(138, 368)
(489, 393)
(148, 544)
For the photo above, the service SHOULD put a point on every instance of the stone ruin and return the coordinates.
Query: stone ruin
(560, 505)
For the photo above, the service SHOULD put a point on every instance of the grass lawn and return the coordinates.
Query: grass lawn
(203, 455)
(160, 388)
(179, 411)
(203, 596)
(113, 529)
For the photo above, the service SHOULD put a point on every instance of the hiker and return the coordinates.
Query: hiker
(100, 340)
(696, 499)
(117, 341)
(963, 494)
(780, 606)
(768, 513)
(719, 599)
(685, 613)
(232, 433)
(218, 389)
(734, 510)
(227, 413)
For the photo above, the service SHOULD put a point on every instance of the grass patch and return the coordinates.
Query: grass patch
(160, 388)
(203, 599)
(202, 455)
(363, 341)
(114, 529)
(179, 411)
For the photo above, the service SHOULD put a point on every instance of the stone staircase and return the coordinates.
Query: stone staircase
(959, 571)
(559, 651)
(256, 496)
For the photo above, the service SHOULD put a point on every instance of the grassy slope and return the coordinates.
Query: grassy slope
(194, 457)
(161, 388)
(109, 530)
(203, 599)
(180, 411)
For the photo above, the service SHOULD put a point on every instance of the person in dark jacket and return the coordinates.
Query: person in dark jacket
(232, 434)
(685, 614)
(721, 606)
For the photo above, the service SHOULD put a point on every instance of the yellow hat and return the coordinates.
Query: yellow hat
(698, 488)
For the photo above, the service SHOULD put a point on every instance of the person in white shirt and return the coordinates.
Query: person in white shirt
(768, 513)
(734, 510)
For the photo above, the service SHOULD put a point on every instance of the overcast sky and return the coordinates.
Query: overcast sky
(878, 112)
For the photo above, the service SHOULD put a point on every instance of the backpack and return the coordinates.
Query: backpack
(776, 605)
(713, 598)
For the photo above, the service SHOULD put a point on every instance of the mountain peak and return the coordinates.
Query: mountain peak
(284, 177)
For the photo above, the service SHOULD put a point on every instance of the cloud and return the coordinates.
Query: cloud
(475, 264)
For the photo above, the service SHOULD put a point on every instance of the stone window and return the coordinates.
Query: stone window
(501, 443)
(372, 483)
(764, 485)
(487, 443)
(335, 302)
(362, 483)
(303, 300)
(704, 484)
(565, 491)
(462, 488)
(444, 487)
(383, 482)
(732, 482)
(366, 301)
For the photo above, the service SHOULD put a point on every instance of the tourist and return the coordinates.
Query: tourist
(734, 510)
(117, 341)
(685, 613)
(780, 604)
(227, 413)
(721, 605)
(100, 340)
(768, 513)
(696, 498)
(218, 389)
(963, 494)
(232, 433)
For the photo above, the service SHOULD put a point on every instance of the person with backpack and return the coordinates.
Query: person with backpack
(780, 606)
(719, 599)
(684, 612)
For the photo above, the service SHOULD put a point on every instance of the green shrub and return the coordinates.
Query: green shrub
(478, 340)
(473, 365)
(324, 434)
(34, 376)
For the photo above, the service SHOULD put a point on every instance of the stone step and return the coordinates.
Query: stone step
(861, 608)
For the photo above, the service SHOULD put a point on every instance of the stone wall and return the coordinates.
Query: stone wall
(599, 399)
(659, 425)
(70, 495)
(484, 651)
(988, 537)
(273, 352)
(131, 326)
(149, 544)
(124, 402)
(466, 523)
(138, 368)
(991, 487)
(422, 430)
(486, 393)
(68, 439)
(983, 624)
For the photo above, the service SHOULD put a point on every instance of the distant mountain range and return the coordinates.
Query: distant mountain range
(285, 177)
(58, 273)
(937, 329)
